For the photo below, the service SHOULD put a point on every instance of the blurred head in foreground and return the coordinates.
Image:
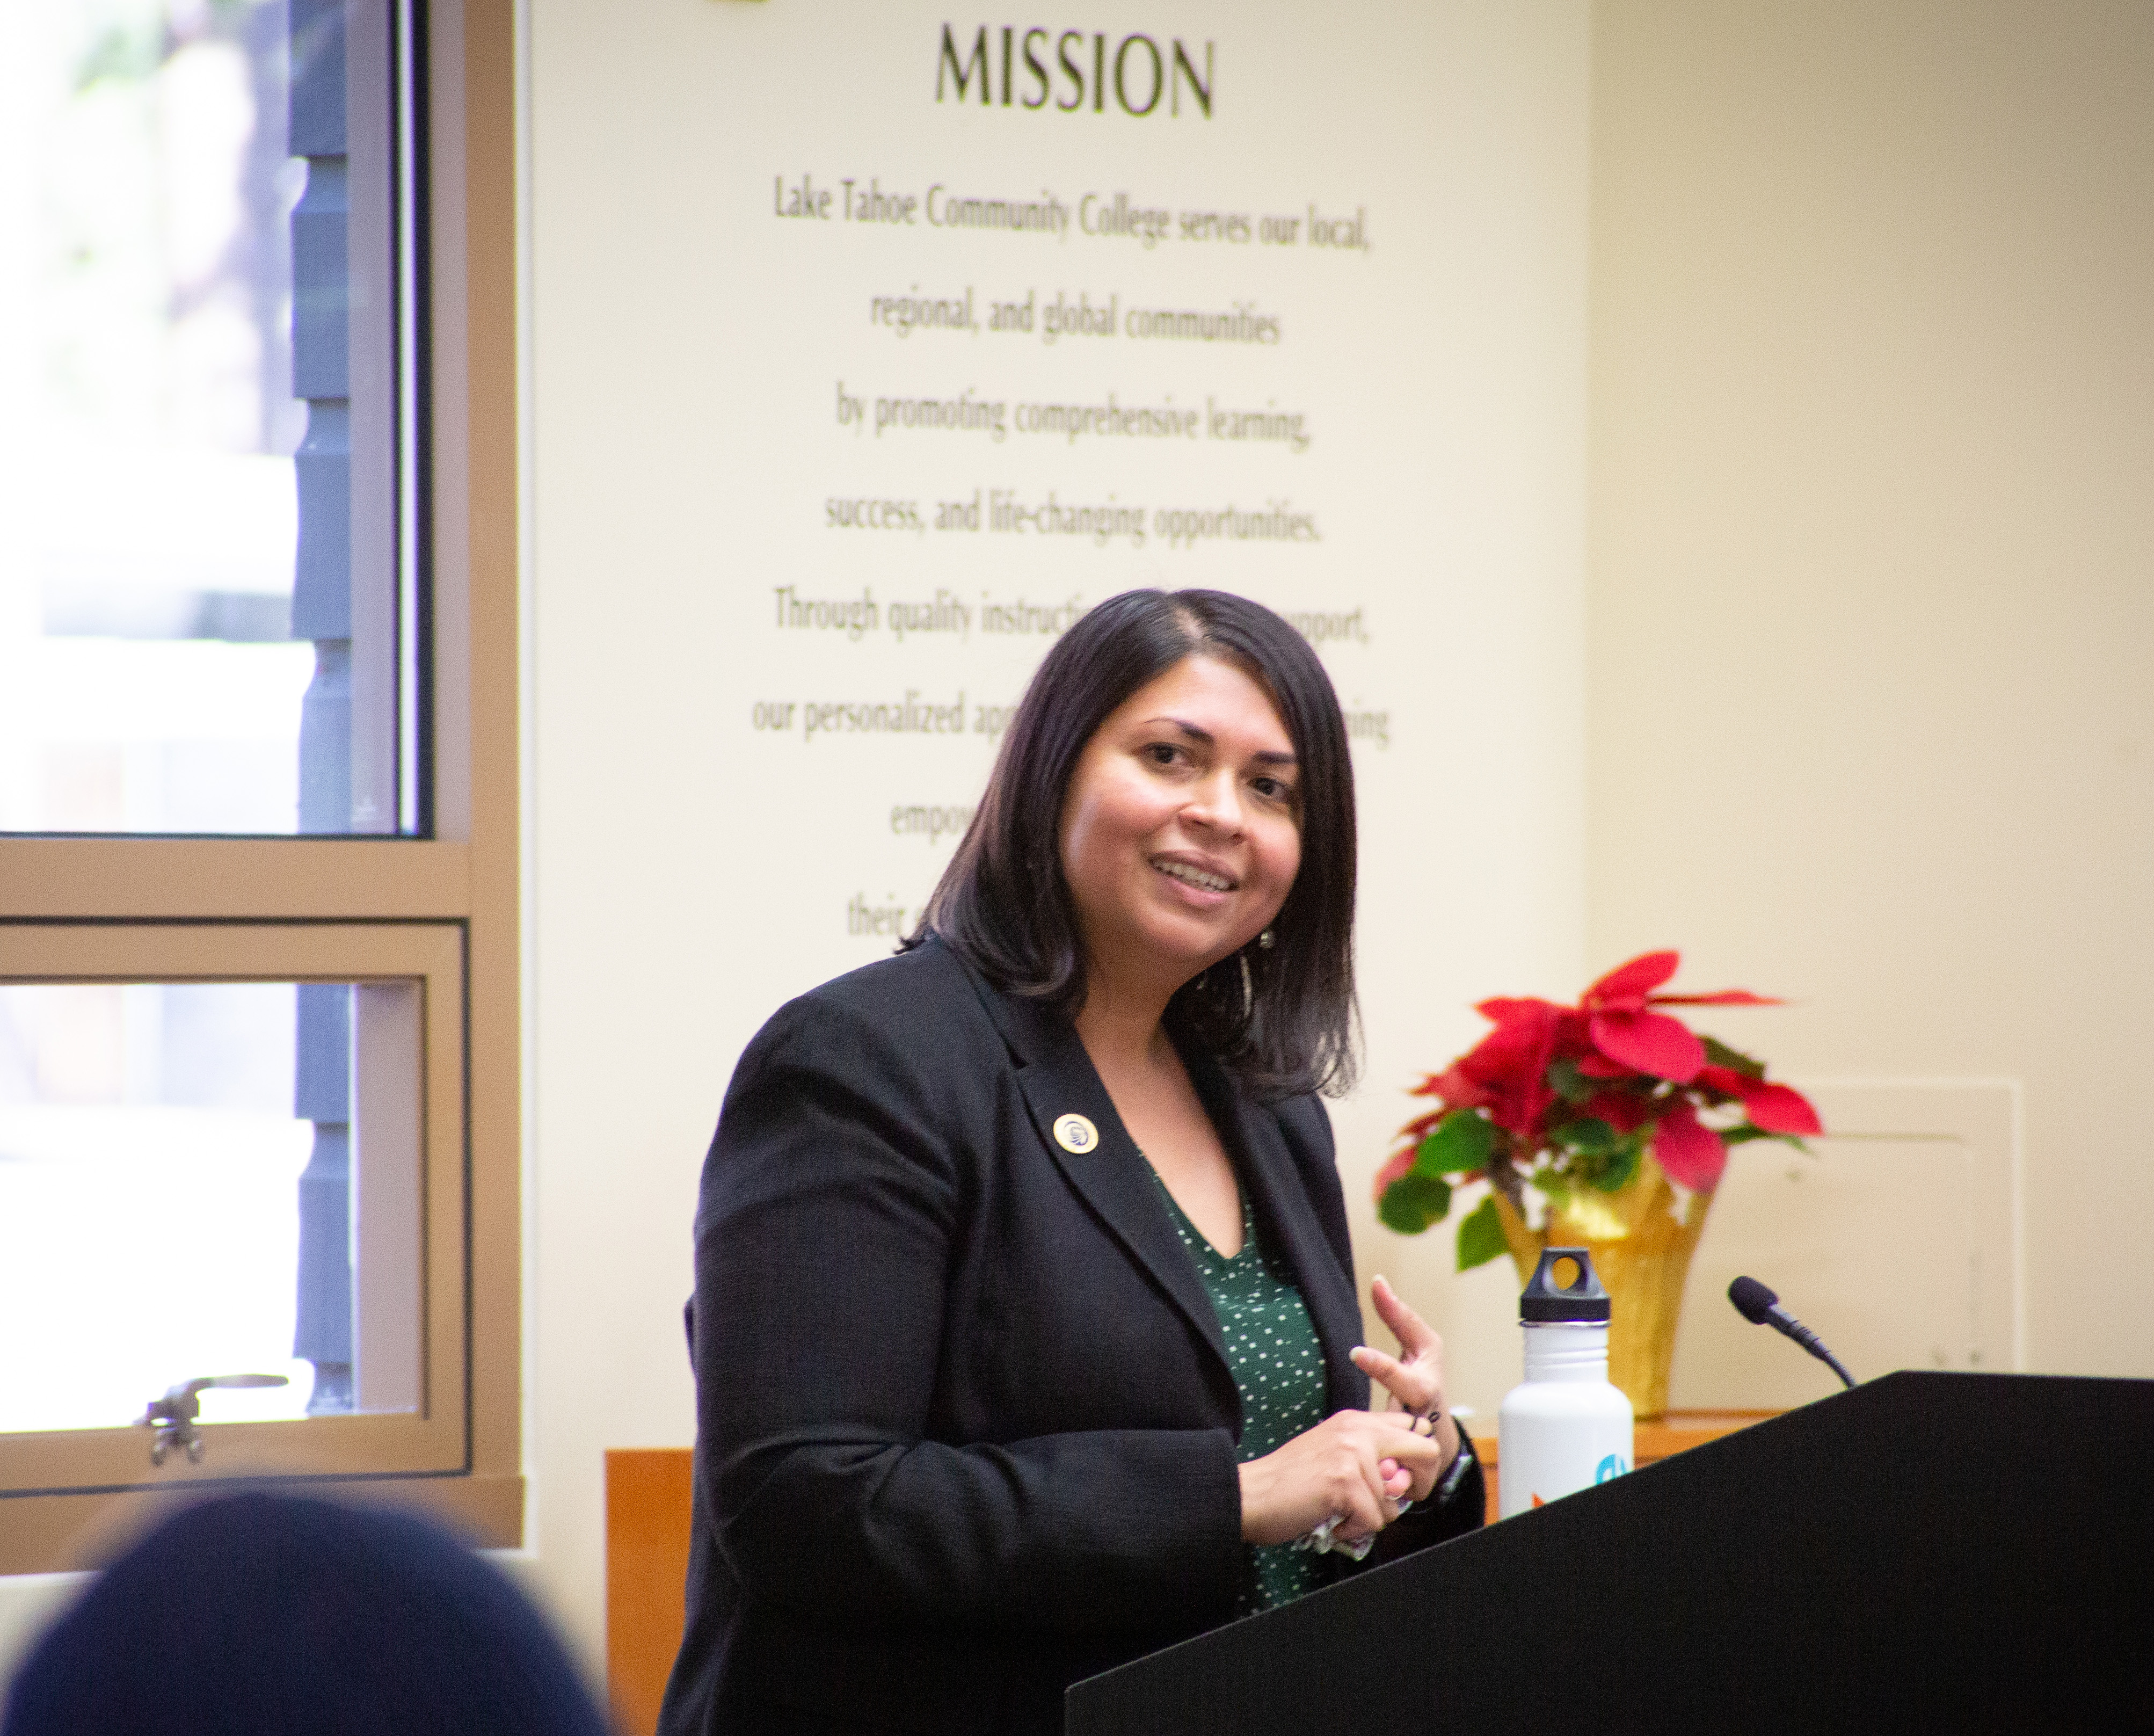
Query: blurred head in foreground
(261, 1613)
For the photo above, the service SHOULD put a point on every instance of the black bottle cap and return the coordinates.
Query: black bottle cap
(1545, 1299)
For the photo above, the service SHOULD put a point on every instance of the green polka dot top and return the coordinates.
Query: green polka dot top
(1278, 1365)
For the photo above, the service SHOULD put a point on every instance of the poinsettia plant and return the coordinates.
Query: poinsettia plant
(1564, 1098)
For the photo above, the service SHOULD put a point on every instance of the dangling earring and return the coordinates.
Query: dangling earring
(1248, 984)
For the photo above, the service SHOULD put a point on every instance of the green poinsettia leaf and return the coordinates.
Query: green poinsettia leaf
(1480, 1236)
(1621, 1167)
(1721, 1055)
(1588, 1136)
(1744, 1135)
(1413, 1203)
(1568, 1083)
(1460, 1142)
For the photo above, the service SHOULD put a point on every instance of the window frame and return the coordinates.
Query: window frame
(352, 907)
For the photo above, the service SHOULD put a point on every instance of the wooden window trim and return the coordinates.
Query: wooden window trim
(464, 878)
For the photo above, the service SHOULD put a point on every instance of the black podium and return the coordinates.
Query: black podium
(1927, 1552)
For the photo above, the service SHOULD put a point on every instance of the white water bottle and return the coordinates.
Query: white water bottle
(1564, 1428)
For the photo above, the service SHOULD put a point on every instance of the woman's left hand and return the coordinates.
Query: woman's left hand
(1414, 1377)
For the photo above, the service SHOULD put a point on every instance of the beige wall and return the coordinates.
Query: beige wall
(1871, 565)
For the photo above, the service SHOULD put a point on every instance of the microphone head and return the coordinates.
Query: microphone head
(1752, 1300)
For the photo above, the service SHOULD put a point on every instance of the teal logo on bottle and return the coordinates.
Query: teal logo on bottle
(1609, 1468)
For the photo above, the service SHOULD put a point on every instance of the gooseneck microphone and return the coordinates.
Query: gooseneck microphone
(1762, 1308)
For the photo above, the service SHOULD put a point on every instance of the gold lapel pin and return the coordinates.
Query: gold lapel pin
(1074, 1133)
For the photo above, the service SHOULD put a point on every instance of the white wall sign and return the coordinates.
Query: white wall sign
(1002, 318)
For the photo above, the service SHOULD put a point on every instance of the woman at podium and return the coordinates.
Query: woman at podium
(1025, 1331)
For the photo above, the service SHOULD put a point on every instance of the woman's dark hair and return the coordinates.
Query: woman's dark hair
(1280, 1017)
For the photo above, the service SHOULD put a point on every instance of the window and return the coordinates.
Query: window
(258, 1093)
(214, 315)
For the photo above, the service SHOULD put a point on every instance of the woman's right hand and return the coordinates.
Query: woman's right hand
(1353, 1466)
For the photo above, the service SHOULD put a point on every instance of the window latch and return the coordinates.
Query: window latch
(173, 1416)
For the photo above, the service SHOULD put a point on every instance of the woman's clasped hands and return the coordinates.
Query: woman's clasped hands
(1357, 1468)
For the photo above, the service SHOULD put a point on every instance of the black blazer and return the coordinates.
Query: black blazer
(965, 1424)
